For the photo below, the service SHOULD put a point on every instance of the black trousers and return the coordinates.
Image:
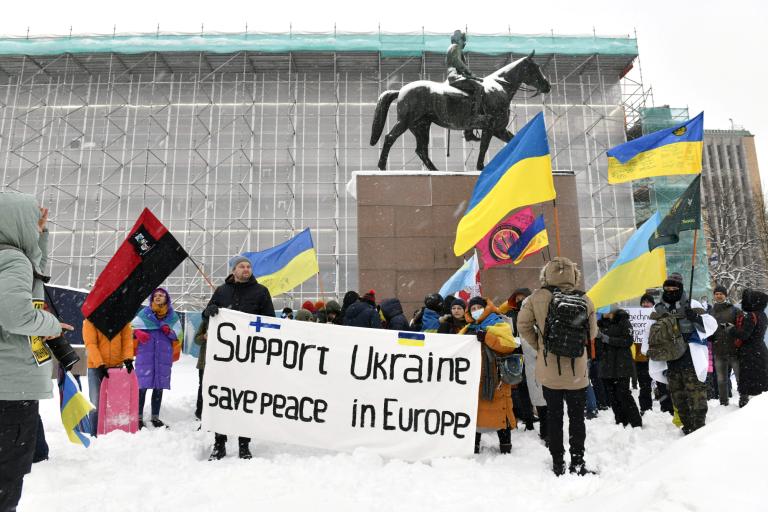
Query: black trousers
(18, 433)
(199, 406)
(521, 404)
(577, 432)
(643, 377)
(623, 404)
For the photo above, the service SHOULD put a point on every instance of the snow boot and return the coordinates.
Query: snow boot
(477, 442)
(157, 423)
(578, 467)
(141, 424)
(743, 400)
(558, 466)
(245, 452)
(219, 449)
(505, 440)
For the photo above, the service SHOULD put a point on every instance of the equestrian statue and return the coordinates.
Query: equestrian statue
(465, 102)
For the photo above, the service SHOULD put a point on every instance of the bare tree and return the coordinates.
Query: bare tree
(738, 242)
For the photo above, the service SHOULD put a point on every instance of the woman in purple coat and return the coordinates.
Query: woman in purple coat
(157, 327)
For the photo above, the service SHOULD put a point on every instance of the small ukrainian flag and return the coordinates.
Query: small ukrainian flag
(411, 339)
(74, 408)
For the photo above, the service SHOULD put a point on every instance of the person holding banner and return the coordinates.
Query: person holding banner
(240, 292)
(494, 409)
(455, 321)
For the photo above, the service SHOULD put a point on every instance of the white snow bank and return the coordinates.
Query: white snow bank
(718, 468)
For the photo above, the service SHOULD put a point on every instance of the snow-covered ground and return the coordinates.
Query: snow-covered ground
(721, 467)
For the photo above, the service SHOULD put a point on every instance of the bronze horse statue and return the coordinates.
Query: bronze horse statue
(421, 103)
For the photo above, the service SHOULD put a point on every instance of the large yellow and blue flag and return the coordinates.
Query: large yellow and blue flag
(519, 175)
(74, 409)
(676, 150)
(532, 241)
(285, 266)
(635, 270)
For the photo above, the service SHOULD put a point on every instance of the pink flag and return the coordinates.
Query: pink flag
(494, 245)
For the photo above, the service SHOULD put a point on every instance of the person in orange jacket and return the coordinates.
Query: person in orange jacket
(103, 354)
(494, 407)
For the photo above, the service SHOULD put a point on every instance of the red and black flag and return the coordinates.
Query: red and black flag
(141, 264)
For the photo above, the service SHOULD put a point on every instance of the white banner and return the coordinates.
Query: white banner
(641, 323)
(405, 395)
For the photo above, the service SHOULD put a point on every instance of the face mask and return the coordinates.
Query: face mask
(476, 314)
(672, 296)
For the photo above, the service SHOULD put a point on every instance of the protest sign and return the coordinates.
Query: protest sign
(400, 394)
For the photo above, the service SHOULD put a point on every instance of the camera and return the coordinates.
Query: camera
(63, 351)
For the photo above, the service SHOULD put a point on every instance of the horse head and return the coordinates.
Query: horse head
(524, 71)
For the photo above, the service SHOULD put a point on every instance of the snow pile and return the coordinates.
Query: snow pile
(655, 468)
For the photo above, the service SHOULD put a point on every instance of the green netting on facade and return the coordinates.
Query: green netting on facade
(660, 193)
(387, 44)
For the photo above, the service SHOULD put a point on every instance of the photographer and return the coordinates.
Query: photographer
(24, 329)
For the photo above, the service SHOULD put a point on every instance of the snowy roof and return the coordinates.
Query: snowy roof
(388, 44)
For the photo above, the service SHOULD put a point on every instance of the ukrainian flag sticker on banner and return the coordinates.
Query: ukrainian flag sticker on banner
(411, 339)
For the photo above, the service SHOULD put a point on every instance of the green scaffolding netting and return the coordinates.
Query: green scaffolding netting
(387, 44)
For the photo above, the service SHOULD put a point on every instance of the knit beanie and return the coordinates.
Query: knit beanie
(237, 259)
(477, 300)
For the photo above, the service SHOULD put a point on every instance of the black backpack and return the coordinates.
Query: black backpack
(566, 328)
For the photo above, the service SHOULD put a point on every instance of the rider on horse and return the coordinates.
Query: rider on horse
(462, 78)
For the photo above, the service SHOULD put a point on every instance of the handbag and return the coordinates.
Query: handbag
(510, 368)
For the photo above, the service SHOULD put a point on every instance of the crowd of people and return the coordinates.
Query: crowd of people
(575, 360)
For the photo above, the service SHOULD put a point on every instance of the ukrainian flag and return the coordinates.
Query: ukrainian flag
(676, 150)
(519, 175)
(285, 266)
(533, 239)
(634, 271)
(74, 408)
(411, 339)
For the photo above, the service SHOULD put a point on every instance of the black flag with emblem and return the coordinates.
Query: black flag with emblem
(685, 215)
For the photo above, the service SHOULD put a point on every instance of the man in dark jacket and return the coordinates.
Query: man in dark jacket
(363, 313)
(240, 292)
(393, 314)
(749, 333)
(723, 348)
(616, 366)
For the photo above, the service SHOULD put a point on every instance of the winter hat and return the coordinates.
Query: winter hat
(308, 306)
(287, 313)
(434, 301)
(350, 298)
(477, 300)
(237, 259)
(303, 315)
(370, 296)
(319, 305)
(647, 297)
(459, 302)
(675, 276)
(332, 307)
(670, 281)
(721, 289)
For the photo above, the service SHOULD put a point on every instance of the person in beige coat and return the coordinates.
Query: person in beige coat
(562, 378)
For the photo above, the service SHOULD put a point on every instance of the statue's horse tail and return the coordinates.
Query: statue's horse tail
(380, 117)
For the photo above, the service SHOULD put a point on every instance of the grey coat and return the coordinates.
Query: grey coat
(20, 377)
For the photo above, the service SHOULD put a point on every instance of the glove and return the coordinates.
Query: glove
(481, 336)
(691, 315)
(103, 372)
(128, 365)
(142, 336)
(211, 311)
(166, 329)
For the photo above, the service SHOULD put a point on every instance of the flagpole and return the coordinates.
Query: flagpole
(693, 265)
(207, 280)
(557, 226)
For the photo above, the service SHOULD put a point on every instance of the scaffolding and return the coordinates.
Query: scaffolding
(239, 151)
